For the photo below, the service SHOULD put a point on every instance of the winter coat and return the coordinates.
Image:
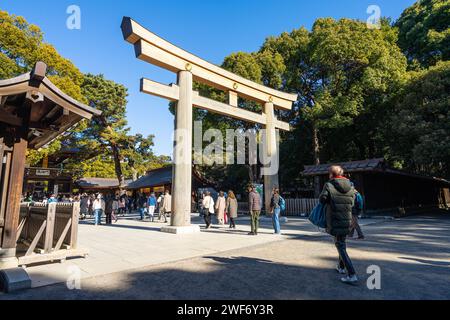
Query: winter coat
(254, 201)
(167, 203)
(232, 208)
(221, 205)
(339, 196)
(208, 203)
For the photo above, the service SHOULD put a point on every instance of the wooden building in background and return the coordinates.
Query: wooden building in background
(160, 180)
(99, 185)
(387, 190)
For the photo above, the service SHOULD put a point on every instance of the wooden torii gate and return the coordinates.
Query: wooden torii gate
(157, 51)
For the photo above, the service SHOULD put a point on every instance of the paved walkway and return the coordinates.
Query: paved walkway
(413, 255)
(132, 244)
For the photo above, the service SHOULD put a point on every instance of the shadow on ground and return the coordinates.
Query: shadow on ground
(413, 255)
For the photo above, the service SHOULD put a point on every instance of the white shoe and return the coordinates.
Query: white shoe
(340, 271)
(350, 280)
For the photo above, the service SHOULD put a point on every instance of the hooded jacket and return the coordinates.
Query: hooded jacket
(339, 196)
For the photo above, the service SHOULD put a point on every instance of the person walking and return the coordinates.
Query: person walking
(160, 206)
(141, 202)
(194, 208)
(356, 212)
(98, 206)
(115, 209)
(208, 209)
(129, 204)
(84, 206)
(167, 205)
(52, 199)
(92, 198)
(109, 209)
(232, 209)
(275, 210)
(152, 202)
(221, 206)
(339, 195)
(254, 205)
(122, 206)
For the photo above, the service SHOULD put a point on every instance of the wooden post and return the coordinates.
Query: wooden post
(74, 227)
(4, 185)
(50, 228)
(12, 205)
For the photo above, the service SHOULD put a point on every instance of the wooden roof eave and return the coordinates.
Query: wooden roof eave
(27, 82)
(36, 83)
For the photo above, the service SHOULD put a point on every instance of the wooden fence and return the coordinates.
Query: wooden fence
(48, 233)
(294, 207)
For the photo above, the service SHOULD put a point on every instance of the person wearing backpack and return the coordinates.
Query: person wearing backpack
(339, 196)
(275, 210)
(356, 211)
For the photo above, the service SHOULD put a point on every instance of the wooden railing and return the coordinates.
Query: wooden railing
(48, 232)
(297, 207)
(294, 207)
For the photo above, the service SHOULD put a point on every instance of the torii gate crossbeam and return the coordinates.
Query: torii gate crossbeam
(157, 51)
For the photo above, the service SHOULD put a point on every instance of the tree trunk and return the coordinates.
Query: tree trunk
(118, 167)
(316, 152)
(316, 144)
(135, 173)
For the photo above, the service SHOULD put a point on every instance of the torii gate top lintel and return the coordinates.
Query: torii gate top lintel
(155, 50)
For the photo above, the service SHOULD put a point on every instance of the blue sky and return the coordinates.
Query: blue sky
(211, 29)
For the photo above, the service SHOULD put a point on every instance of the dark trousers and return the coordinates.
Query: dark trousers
(109, 218)
(356, 226)
(344, 259)
(232, 224)
(207, 216)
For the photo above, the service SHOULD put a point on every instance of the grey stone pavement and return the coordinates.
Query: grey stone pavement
(413, 255)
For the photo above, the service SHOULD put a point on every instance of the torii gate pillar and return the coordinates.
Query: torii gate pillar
(272, 153)
(182, 153)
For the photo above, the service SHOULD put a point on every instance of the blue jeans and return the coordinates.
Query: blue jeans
(142, 212)
(98, 216)
(276, 220)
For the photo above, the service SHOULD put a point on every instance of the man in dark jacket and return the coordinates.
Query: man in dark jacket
(339, 196)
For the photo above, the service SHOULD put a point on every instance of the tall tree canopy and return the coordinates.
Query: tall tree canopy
(21, 46)
(344, 73)
(424, 32)
(108, 135)
(420, 122)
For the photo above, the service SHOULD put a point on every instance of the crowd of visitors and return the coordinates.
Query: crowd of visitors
(225, 209)
(341, 201)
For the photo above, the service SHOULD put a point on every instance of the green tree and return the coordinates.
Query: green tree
(420, 123)
(424, 32)
(104, 134)
(138, 154)
(21, 46)
(344, 74)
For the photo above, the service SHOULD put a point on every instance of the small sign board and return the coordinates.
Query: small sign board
(42, 173)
